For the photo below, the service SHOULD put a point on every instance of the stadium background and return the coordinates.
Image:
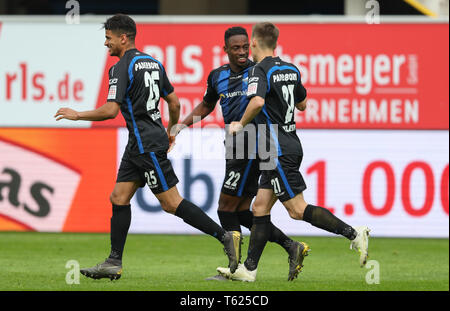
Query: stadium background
(375, 134)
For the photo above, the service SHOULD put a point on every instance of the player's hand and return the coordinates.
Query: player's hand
(172, 133)
(235, 127)
(171, 142)
(176, 129)
(66, 113)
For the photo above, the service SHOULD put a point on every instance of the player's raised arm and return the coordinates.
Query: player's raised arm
(105, 112)
(254, 107)
(202, 110)
(207, 105)
(256, 92)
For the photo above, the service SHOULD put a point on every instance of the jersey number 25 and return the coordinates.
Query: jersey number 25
(151, 82)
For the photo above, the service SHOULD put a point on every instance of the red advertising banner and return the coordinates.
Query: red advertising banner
(385, 76)
(57, 179)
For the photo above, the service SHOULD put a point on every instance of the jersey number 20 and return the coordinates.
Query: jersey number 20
(152, 84)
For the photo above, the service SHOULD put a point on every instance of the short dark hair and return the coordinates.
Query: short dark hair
(121, 23)
(233, 31)
(267, 34)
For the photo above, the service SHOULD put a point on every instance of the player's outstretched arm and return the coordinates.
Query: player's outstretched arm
(105, 112)
(202, 110)
(301, 105)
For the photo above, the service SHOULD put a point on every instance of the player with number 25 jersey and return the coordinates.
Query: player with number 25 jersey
(135, 82)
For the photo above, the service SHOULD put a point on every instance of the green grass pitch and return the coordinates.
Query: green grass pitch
(37, 261)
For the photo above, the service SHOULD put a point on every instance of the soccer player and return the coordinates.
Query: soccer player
(229, 84)
(276, 91)
(136, 83)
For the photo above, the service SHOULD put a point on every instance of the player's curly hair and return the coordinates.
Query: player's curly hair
(267, 34)
(233, 31)
(121, 23)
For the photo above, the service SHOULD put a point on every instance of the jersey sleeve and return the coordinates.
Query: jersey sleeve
(300, 92)
(166, 86)
(211, 96)
(118, 83)
(257, 83)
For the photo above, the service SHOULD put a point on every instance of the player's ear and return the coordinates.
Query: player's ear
(123, 38)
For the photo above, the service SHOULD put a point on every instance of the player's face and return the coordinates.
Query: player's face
(237, 48)
(113, 43)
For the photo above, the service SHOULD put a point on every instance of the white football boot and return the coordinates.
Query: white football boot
(225, 272)
(244, 275)
(241, 273)
(361, 244)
